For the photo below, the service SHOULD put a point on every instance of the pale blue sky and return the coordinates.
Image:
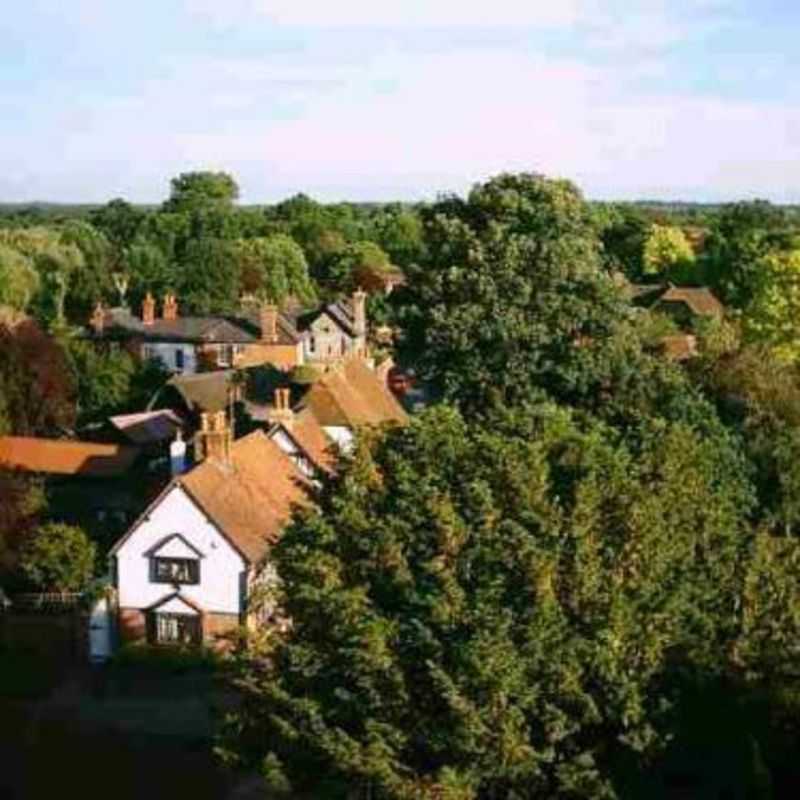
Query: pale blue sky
(399, 99)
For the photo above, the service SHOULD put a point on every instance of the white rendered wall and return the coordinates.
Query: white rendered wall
(221, 569)
(293, 451)
(341, 435)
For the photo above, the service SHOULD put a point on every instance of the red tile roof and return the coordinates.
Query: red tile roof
(679, 347)
(61, 457)
(309, 435)
(351, 395)
(251, 499)
(701, 301)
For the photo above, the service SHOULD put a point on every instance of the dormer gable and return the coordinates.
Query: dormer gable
(174, 546)
(175, 603)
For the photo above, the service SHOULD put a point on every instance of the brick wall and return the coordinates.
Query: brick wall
(217, 628)
(283, 356)
(132, 625)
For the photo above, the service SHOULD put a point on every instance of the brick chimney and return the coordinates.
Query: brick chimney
(359, 301)
(269, 324)
(282, 409)
(148, 310)
(98, 319)
(170, 307)
(214, 438)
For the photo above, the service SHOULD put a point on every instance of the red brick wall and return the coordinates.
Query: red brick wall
(216, 627)
(132, 625)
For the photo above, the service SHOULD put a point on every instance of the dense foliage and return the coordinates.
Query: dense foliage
(548, 584)
(58, 558)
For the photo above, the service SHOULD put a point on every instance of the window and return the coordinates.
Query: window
(179, 359)
(312, 345)
(175, 629)
(176, 570)
(226, 355)
(148, 352)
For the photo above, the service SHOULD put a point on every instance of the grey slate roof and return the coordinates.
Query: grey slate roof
(121, 323)
(341, 312)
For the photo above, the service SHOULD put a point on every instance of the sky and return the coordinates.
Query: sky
(399, 99)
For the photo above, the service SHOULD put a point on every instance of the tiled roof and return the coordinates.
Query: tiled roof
(311, 438)
(642, 292)
(287, 333)
(218, 329)
(351, 395)
(679, 347)
(700, 300)
(60, 457)
(206, 391)
(148, 427)
(251, 499)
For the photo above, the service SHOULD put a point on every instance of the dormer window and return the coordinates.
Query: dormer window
(175, 561)
(176, 570)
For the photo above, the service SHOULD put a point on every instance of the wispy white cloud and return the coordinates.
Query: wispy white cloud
(449, 119)
(394, 13)
(355, 115)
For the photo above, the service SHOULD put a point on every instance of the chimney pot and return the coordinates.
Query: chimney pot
(148, 309)
(269, 324)
(214, 438)
(282, 411)
(170, 306)
(359, 301)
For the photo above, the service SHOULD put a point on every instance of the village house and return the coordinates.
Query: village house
(683, 303)
(259, 334)
(188, 570)
(182, 344)
(348, 396)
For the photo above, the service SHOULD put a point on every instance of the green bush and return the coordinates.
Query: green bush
(58, 558)
(165, 658)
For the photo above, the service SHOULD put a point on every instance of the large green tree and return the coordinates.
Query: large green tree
(358, 264)
(667, 253)
(275, 267)
(209, 279)
(491, 611)
(119, 221)
(58, 558)
(740, 236)
(201, 190)
(19, 281)
(773, 315)
(512, 295)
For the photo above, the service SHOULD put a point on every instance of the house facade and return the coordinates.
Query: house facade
(184, 345)
(188, 570)
(260, 334)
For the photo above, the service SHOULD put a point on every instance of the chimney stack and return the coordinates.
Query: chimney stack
(214, 438)
(170, 306)
(359, 301)
(282, 409)
(148, 310)
(269, 324)
(98, 319)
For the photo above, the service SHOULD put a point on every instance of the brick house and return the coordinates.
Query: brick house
(259, 334)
